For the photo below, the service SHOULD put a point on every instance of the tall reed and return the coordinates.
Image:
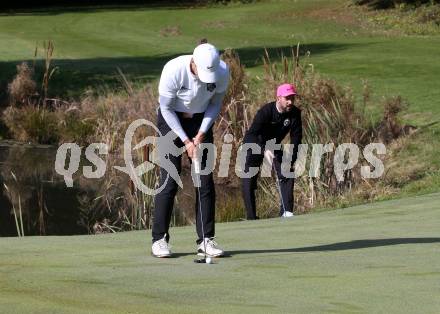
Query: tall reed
(17, 217)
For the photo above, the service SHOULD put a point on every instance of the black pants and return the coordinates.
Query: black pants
(249, 185)
(164, 201)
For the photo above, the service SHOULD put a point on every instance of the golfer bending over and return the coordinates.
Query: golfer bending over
(273, 121)
(191, 91)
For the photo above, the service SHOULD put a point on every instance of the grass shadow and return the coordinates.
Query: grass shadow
(50, 8)
(339, 246)
(343, 246)
(253, 56)
(75, 76)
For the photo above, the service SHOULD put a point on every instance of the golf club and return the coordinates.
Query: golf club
(197, 167)
(279, 190)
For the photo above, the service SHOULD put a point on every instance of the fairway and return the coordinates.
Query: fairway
(380, 258)
(91, 43)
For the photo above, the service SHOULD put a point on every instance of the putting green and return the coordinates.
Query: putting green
(382, 257)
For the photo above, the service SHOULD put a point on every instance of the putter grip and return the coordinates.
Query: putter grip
(196, 165)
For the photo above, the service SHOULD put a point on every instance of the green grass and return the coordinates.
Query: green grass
(90, 44)
(380, 258)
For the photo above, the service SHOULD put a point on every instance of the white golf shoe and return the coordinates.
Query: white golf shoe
(161, 248)
(212, 248)
(287, 214)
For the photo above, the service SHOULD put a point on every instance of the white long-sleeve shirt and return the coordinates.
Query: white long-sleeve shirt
(182, 91)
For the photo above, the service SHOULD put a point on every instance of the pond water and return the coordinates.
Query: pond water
(29, 182)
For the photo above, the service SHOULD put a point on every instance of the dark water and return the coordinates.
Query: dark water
(28, 179)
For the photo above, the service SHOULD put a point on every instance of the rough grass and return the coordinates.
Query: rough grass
(404, 20)
(367, 259)
(387, 4)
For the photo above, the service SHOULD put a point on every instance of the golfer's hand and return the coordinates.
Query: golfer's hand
(199, 138)
(190, 149)
(269, 156)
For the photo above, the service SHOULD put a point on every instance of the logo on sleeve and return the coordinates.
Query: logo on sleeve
(286, 122)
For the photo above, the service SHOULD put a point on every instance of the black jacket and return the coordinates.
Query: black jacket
(270, 124)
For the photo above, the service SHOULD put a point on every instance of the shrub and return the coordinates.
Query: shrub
(429, 14)
(73, 125)
(23, 85)
(386, 4)
(32, 124)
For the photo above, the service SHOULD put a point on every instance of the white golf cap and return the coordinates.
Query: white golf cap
(207, 60)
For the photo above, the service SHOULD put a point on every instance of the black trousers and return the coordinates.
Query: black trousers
(164, 201)
(249, 186)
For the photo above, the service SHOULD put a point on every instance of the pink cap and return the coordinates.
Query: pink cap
(285, 90)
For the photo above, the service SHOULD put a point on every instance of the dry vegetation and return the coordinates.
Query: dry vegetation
(401, 17)
(171, 31)
(23, 86)
(330, 115)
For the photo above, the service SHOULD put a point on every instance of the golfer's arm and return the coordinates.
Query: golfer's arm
(296, 136)
(170, 117)
(212, 111)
